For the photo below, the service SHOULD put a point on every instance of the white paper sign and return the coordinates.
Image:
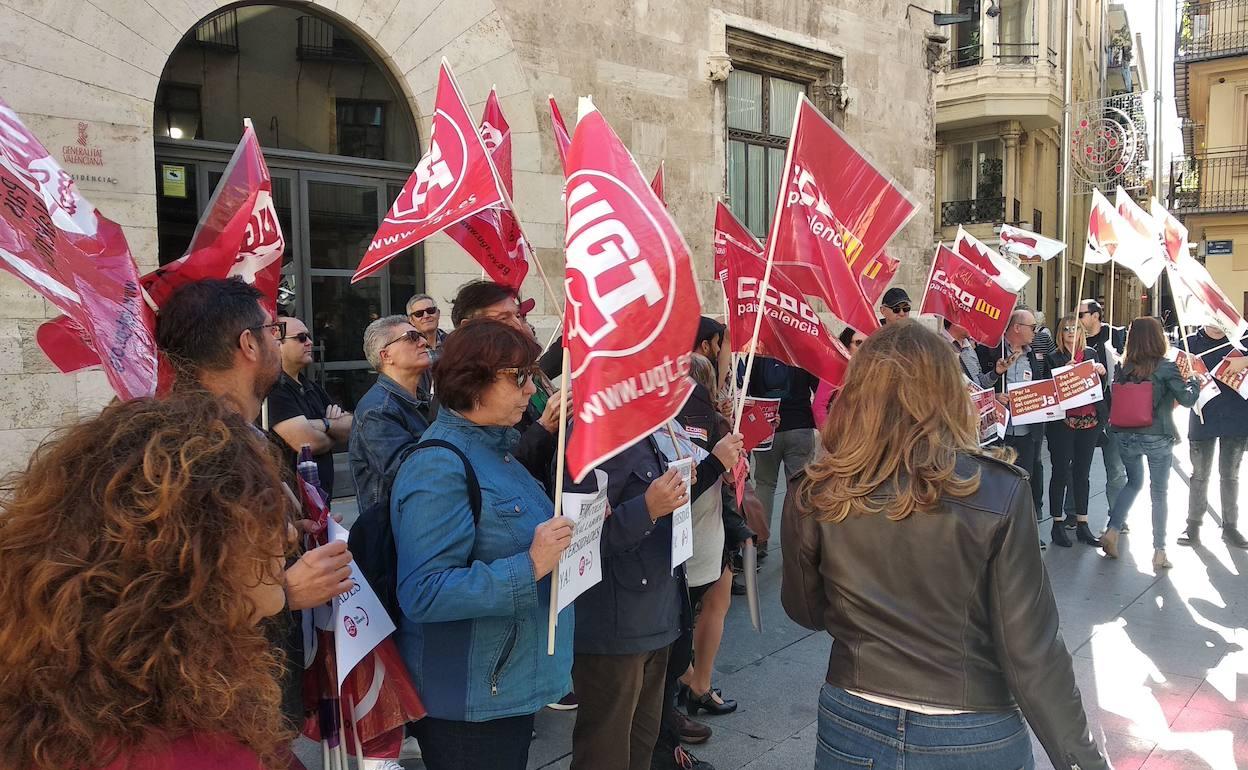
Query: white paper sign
(1034, 402)
(682, 517)
(1078, 385)
(360, 621)
(580, 566)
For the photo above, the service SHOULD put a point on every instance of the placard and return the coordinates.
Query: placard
(992, 416)
(1034, 402)
(682, 517)
(758, 423)
(1236, 381)
(361, 622)
(1078, 385)
(580, 565)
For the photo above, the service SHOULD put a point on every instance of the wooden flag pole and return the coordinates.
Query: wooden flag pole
(1178, 312)
(758, 325)
(1109, 311)
(565, 395)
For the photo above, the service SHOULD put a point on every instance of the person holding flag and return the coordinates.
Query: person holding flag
(1108, 341)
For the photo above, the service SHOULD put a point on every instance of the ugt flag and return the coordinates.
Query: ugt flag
(967, 296)
(1030, 248)
(59, 245)
(730, 234)
(454, 180)
(835, 213)
(1200, 300)
(996, 266)
(790, 330)
(1142, 252)
(632, 306)
(238, 235)
(494, 237)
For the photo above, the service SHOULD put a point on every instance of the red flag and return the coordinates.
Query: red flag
(454, 180)
(834, 215)
(967, 296)
(62, 247)
(731, 234)
(877, 276)
(659, 184)
(791, 331)
(238, 235)
(632, 307)
(1173, 233)
(563, 140)
(759, 417)
(1195, 286)
(496, 134)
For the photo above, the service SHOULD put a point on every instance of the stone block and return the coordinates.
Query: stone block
(648, 139)
(94, 392)
(650, 81)
(403, 21)
(539, 197)
(17, 300)
(49, 93)
(526, 150)
(440, 28)
(36, 400)
(19, 444)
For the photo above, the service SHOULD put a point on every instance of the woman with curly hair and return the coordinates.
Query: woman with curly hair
(138, 552)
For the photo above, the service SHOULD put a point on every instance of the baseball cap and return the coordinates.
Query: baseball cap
(895, 296)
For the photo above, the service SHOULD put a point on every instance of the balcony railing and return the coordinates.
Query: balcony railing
(976, 210)
(220, 32)
(1210, 182)
(1212, 29)
(966, 56)
(318, 40)
(1016, 53)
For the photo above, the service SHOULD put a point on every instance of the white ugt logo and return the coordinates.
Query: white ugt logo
(431, 172)
(600, 243)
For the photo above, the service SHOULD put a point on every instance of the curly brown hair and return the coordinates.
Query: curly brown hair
(128, 548)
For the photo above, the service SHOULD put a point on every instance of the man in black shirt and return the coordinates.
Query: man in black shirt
(301, 412)
(794, 443)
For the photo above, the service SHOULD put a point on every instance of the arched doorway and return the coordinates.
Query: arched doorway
(339, 140)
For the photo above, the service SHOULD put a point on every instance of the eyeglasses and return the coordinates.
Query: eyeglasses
(1082, 313)
(1069, 329)
(411, 335)
(303, 338)
(1027, 326)
(903, 307)
(278, 327)
(523, 376)
(432, 310)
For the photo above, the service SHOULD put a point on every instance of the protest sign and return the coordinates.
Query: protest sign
(992, 415)
(632, 306)
(1190, 365)
(964, 294)
(998, 268)
(682, 517)
(360, 620)
(1078, 385)
(580, 565)
(1236, 381)
(1034, 402)
(758, 423)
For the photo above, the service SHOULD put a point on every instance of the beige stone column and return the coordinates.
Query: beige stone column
(1010, 185)
(938, 188)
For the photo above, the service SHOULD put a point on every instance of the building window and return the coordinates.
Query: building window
(967, 43)
(973, 183)
(178, 112)
(361, 128)
(760, 119)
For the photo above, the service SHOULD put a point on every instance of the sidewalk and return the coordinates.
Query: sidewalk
(1160, 660)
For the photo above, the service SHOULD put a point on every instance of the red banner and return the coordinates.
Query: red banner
(731, 234)
(454, 180)
(790, 332)
(659, 184)
(967, 296)
(835, 213)
(878, 275)
(996, 266)
(563, 140)
(62, 247)
(632, 306)
(496, 135)
(238, 235)
(759, 418)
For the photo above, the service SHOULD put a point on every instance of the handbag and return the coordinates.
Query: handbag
(1131, 404)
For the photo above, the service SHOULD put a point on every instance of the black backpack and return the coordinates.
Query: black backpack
(371, 539)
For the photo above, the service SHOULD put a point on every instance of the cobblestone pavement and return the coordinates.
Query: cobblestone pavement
(1160, 659)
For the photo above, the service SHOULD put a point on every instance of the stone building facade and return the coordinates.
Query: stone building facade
(97, 83)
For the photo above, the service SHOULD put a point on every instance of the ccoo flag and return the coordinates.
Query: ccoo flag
(1030, 248)
(996, 266)
(454, 180)
(731, 235)
(1141, 250)
(962, 293)
(835, 213)
(632, 306)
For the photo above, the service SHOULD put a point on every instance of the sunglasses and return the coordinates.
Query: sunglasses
(278, 327)
(411, 335)
(303, 338)
(903, 307)
(523, 376)
(1082, 313)
(1069, 329)
(424, 312)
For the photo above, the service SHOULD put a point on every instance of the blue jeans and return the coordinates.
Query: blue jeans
(856, 733)
(1115, 474)
(499, 744)
(1133, 448)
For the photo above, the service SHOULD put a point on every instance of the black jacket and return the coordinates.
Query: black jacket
(706, 426)
(990, 355)
(949, 608)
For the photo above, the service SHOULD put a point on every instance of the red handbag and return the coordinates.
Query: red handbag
(1131, 404)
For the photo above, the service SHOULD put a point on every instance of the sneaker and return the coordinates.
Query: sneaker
(1231, 536)
(380, 764)
(566, 703)
(410, 749)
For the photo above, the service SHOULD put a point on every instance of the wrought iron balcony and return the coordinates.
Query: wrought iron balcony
(318, 40)
(1210, 182)
(1211, 29)
(1016, 53)
(976, 210)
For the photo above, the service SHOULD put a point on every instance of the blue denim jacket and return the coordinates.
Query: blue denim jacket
(473, 634)
(388, 420)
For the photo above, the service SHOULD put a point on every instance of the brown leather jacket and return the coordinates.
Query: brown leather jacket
(951, 608)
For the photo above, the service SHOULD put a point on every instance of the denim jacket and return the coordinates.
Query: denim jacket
(388, 420)
(473, 634)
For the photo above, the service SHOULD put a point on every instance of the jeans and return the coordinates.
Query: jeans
(856, 733)
(1115, 474)
(1230, 452)
(1134, 448)
(1071, 452)
(498, 744)
(792, 447)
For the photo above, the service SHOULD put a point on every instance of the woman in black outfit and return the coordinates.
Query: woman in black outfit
(1072, 440)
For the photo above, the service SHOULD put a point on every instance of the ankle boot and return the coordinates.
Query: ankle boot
(1059, 534)
(1084, 535)
(1231, 536)
(1190, 536)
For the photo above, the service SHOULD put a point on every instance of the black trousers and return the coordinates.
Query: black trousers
(678, 661)
(1028, 447)
(499, 744)
(1071, 452)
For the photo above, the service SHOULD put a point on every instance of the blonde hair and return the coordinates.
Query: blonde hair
(899, 423)
(1081, 337)
(703, 372)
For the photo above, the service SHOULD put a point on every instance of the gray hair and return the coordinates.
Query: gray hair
(418, 298)
(377, 334)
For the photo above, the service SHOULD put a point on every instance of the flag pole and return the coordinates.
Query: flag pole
(1067, 156)
(1178, 312)
(1110, 296)
(1158, 138)
(565, 395)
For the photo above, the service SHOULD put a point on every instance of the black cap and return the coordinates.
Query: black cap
(708, 328)
(894, 297)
